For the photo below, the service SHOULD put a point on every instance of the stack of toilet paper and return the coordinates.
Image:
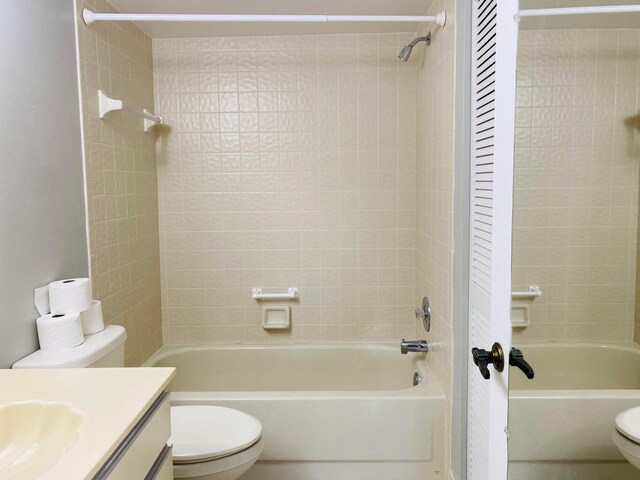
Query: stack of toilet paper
(67, 314)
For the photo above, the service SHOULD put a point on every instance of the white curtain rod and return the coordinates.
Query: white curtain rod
(550, 12)
(90, 17)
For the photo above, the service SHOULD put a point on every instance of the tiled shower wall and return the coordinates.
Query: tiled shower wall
(434, 202)
(576, 182)
(120, 168)
(290, 161)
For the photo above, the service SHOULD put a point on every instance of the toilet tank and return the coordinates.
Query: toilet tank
(102, 349)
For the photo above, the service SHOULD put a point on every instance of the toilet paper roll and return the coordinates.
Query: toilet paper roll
(70, 295)
(59, 331)
(92, 321)
(41, 299)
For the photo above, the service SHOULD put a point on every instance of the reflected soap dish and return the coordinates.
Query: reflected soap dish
(276, 317)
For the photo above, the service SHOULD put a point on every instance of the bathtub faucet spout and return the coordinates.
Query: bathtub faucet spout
(418, 346)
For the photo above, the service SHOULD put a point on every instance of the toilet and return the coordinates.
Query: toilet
(102, 349)
(626, 435)
(209, 442)
(213, 443)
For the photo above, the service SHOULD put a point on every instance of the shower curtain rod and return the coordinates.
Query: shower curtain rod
(550, 12)
(90, 17)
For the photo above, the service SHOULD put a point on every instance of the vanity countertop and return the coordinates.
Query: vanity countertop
(110, 400)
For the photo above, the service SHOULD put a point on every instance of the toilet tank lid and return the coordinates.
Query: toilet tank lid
(94, 348)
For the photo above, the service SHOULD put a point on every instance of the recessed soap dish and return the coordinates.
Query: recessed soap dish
(276, 317)
(520, 314)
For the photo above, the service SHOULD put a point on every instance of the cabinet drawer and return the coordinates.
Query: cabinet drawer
(135, 456)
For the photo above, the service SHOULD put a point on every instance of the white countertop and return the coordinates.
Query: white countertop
(112, 400)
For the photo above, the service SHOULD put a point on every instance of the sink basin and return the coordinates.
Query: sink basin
(33, 436)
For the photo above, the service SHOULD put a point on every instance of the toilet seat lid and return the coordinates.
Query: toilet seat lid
(203, 432)
(628, 424)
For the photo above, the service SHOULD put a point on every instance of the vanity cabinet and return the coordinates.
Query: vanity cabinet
(144, 453)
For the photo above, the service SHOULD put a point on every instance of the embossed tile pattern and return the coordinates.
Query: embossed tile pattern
(576, 183)
(290, 162)
(121, 181)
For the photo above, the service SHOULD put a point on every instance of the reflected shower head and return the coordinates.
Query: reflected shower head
(405, 53)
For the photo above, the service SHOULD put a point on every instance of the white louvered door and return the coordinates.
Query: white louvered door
(493, 108)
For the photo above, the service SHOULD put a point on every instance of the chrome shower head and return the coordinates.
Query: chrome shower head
(405, 53)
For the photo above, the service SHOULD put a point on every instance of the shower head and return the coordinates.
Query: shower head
(405, 53)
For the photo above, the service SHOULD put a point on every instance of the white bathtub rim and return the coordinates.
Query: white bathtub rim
(622, 346)
(433, 392)
(593, 393)
(165, 350)
(428, 387)
(596, 394)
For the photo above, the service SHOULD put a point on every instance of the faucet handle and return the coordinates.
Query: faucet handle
(424, 313)
(516, 359)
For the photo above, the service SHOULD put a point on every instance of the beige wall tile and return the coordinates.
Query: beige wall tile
(121, 183)
(575, 183)
(435, 84)
(290, 162)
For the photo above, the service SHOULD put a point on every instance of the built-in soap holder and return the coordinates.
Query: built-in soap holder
(520, 314)
(520, 306)
(276, 317)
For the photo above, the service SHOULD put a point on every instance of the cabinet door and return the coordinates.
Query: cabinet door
(163, 467)
(138, 452)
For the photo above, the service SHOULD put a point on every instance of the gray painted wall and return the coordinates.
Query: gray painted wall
(42, 213)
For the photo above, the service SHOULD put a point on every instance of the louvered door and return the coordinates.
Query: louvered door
(493, 109)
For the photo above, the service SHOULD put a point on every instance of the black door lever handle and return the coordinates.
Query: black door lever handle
(516, 359)
(483, 358)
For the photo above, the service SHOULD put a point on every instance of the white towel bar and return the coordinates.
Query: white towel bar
(257, 294)
(107, 104)
(534, 291)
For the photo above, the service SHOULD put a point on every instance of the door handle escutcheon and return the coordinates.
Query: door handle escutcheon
(483, 358)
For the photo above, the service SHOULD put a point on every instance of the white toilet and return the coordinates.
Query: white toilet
(626, 435)
(213, 443)
(209, 443)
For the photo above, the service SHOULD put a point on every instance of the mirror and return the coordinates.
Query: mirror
(575, 243)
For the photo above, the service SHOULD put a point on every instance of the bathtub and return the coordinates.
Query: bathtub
(328, 412)
(560, 423)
